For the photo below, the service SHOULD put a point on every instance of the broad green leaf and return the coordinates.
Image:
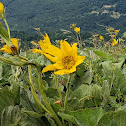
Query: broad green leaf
(4, 34)
(68, 117)
(6, 98)
(119, 65)
(100, 53)
(87, 90)
(30, 121)
(15, 89)
(32, 114)
(119, 81)
(81, 92)
(117, 118)
(1, 71)
(11, 116)
(86, 78)
(105, 92)
(27, 101)
(14, 60)
(107, 66)
(52, 92)
(87, 117)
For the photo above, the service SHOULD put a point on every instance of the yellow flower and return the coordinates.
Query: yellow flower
(115, 42)
(112, 36)
(37, 29)
(6, 49)
(45, 46)
(1, 8)
(116, 31)
(32, 42)
(13, 49)
(2, 12)
(76, 29)
(66, 59)
(101, 38)
(72, 26)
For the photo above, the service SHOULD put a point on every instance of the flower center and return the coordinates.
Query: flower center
(68, 62)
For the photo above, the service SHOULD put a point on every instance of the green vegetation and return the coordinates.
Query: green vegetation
(62, 82)
(53, 15)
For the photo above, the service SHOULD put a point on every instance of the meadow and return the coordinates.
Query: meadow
(63, 84)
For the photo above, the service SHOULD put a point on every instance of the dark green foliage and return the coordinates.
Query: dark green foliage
(51, 16)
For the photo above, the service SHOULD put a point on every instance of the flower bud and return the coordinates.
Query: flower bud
(2, 12)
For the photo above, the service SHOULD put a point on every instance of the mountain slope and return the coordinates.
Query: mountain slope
(53, 15)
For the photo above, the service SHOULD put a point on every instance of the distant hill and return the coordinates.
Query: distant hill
(53, 15)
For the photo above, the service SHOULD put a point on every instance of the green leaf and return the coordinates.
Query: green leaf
(87, 117)
(1, 71)
(15, 89)
(27, 100)
(86, 78)
(4, 34)
(116, 118)
(68, 117)
(80, 92)
(6, 98)
(87, 90)
(100, 53)
(32, 114)
(14, 60)
(11, 116)
(105, 92)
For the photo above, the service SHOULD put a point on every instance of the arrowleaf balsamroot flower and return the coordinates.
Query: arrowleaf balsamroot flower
(66, 59)
(1, 8)
(13, 49)
(116, 31)
(45, 46)
(115, 42)
(101, 38)
(76, 29)
(72, 26)
(2, 11)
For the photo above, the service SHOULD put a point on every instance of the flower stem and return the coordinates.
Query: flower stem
(22, 57)
(56, 81)
(53, 114)
(30, 74)
(37, 101)
(78, 40)
(67, 93)
(8, 30)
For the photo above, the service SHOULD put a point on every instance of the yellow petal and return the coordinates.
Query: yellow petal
(48, 68)
(115, 42)
(76, 29)
(80, 60)
(65, 47)
(50, 57)
(73, 69)
(62, 72)
(58, 65)
(6, 49)
(1, 8)
(37, 51)
(32, 42)
(46, 38)
(53, 50)
(14, 42)
(74, 50)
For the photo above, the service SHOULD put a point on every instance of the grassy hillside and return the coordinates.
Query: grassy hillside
(53, 15)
